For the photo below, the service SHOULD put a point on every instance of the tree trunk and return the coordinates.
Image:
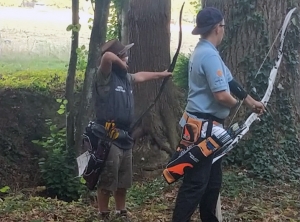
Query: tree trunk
(98, 36)
(71, 77)
(124, 18)
(149, 30)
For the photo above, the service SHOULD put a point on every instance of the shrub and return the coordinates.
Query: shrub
(180, 76)
(58, 168)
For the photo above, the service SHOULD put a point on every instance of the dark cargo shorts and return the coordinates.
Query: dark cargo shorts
(117, 172)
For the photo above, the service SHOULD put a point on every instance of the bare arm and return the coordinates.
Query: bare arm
(225, 98)
(107, 60)
(146, 76)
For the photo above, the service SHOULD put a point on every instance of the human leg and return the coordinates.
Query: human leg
(124, 181)
(191, 191)
(103, 201)
(108, 180)
(210, 197)
(120, 198)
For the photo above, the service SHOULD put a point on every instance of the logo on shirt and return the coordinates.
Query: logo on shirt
(219, 72)
(120, 89)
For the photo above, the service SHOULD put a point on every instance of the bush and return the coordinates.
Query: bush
(58, 169)
(180, 74)
(40, 80)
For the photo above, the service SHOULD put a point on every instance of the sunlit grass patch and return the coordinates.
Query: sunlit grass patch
(23, 56)
(17, 62)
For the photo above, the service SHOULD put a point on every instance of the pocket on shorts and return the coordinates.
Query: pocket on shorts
(108, 176)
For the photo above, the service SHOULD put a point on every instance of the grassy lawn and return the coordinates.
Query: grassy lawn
(14, 63)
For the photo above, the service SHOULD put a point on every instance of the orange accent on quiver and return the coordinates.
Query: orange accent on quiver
(178, 169)
(186, 134)
(169, 178)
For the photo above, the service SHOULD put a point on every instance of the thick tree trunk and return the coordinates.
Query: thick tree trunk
(98, 36)
(70, 112)
(149, 29)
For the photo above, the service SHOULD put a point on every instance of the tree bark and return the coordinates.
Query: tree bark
(149, 30)
(98, 36)
(70, 112)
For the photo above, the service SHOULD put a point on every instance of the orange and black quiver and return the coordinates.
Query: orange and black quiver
(192, 149)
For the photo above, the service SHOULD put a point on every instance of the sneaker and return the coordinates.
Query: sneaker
(104, 216)
(122, 214)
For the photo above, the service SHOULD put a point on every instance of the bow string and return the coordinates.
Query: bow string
(272, 77)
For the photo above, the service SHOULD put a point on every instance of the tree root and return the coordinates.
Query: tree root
(161, 144)
(159, 166)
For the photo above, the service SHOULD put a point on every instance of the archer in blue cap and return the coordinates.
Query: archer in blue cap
(211, 86)
(207, 19)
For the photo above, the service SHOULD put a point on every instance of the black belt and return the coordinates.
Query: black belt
(207, 116)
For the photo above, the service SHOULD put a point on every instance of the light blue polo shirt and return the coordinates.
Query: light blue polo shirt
(207, 74)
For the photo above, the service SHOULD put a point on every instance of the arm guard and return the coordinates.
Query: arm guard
(237, 89)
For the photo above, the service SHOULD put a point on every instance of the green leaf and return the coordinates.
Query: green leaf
(4, 189)
(59, 100)
(69, 28)
(60, 111)
(77, 28)
(82, 180)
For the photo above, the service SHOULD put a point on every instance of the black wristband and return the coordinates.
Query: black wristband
(237, 90)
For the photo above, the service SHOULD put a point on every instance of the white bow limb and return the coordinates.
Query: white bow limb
(253, 117)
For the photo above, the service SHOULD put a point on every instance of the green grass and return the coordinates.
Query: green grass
(40, 73)
(35, 73)
(14, 63)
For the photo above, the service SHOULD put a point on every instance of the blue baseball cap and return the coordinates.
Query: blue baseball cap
(206, 19)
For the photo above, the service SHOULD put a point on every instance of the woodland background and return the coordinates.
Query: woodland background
(48, 58)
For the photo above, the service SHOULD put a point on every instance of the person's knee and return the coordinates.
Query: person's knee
(104, 192)
(121, 191)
